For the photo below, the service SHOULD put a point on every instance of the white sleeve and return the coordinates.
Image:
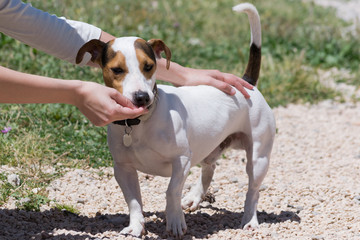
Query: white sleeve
(56, 36)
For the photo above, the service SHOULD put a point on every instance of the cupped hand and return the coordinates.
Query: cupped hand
(103, 105)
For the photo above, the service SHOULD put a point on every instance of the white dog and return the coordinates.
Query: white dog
(185, 126)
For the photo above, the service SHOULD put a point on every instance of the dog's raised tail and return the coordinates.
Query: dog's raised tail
(253, 67)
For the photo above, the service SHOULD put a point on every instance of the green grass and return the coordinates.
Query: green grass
(298, 38)
(68, 208)
(25, 195)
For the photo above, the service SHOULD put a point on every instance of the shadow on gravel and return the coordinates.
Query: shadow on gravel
(19, 224)
(203, 225)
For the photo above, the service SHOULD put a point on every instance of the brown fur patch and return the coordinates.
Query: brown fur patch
(159, 46)
(116, 61)
(108, 53)
(146, 58)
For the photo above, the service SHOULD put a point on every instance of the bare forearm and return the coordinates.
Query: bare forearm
(175, 74)
(17, 87)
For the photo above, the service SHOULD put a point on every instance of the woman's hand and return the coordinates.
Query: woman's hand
(223, 81)
(183, 76)
(103, 105)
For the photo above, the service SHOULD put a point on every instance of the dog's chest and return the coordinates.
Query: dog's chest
(144, 154)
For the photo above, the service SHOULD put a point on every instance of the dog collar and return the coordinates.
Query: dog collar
(128, 122)
(136, 121)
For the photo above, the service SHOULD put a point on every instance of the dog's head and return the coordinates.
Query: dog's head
(128, 65)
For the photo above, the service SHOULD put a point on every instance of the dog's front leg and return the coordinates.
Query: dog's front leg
(175, 219)
(127, 178)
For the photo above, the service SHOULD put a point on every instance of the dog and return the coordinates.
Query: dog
(184, 126)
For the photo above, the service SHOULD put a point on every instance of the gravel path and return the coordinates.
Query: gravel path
(312, 190)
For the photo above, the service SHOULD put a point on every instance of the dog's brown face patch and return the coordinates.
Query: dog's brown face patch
(114, 68)
(145, 57)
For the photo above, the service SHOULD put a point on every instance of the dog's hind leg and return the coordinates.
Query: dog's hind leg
(256, 168)
(197, 192)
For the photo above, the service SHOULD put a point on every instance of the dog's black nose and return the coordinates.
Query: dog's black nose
(141, 98)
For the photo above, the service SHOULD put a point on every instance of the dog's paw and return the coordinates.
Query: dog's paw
(191, 201)
(135, 230)
(175, 225)
(249, 225)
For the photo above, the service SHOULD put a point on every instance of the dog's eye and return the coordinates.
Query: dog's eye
(117, 70)
(148, 67)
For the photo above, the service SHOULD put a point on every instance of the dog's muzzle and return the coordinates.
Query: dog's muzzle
(136, 121)
(141, 99)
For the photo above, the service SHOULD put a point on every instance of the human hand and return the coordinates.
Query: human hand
(103, 105)
(183, 76)
(223, 81)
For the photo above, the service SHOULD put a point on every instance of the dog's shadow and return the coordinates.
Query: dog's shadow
(19, 224)
(201, 224)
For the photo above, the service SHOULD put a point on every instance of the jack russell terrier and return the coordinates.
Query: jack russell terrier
(184, 127)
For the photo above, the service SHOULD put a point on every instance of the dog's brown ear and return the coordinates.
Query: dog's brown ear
(94, 47)
(159, 46)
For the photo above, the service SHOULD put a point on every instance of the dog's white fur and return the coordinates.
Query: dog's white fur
(189, 126)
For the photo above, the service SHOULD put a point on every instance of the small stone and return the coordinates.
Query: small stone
(153, 217)
(45, 235)
(205, 204)
(315, 237)
(299, 208)
(24, 200)
(14, 180)
(274, 235)
(104, 205)
(35, 190)
(263, 188)
(81, 200)
(234, 180)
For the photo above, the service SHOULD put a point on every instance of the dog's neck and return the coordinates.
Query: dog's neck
(136, 121)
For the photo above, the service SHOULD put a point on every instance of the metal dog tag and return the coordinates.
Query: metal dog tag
(127, 140)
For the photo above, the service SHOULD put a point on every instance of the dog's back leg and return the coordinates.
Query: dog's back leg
(193, 198)
(197, 192)
(258, 158)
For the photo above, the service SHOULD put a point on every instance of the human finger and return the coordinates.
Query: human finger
(128, 113)
(122, 100)
(221, 85)
(239, 83)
